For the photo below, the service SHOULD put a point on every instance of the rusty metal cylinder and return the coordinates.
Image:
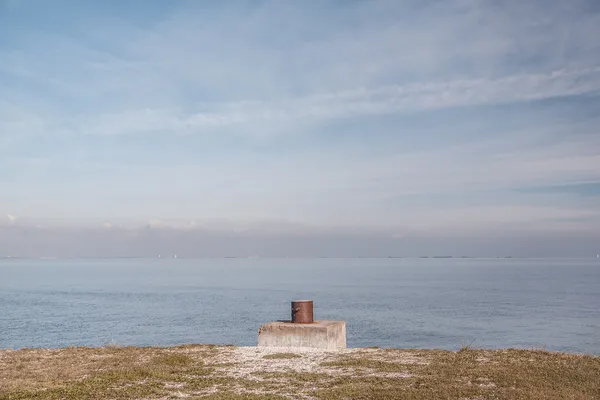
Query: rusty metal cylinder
(302, 311)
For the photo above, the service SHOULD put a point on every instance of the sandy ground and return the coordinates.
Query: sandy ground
(251, 360)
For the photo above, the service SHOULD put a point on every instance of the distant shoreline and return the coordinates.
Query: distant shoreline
(51, 258)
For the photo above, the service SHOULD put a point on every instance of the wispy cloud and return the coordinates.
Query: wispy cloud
(414, 57)
(391, 117)
(342, 104)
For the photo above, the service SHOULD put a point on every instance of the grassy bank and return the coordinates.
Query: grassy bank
(220, 372)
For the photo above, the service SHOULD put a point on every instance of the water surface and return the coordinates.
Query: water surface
(410, 303)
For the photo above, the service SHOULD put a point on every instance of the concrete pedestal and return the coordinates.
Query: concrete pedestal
(329, 335)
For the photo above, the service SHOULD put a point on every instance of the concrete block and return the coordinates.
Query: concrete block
(329, 335)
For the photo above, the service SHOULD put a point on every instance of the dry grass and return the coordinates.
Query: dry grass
(280, 356)
(474, 374)
(212, 372)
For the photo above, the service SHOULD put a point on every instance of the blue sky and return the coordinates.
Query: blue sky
(396, 120)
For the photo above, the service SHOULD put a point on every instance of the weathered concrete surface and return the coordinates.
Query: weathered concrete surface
(328, 335)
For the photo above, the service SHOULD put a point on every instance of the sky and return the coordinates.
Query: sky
(288, 128)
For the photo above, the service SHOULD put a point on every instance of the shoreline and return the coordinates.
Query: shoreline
(293, 349)
(230, 372)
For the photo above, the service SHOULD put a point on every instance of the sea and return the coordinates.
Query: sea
(551, 304)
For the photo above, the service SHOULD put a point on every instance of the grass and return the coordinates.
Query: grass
(280, 356)
(475, 374)
(213, 372)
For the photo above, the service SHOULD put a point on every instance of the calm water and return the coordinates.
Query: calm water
(412, 303)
